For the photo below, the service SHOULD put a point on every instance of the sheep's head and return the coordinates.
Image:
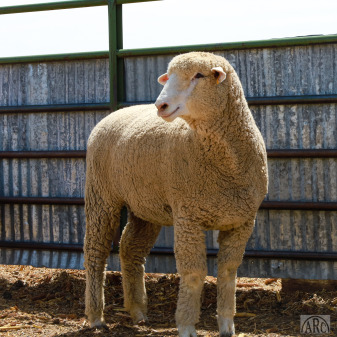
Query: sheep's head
(194, 86)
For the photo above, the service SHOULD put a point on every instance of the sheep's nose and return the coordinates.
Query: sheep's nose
(161, 106)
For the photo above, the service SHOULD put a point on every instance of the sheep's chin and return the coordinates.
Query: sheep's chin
(172, 116)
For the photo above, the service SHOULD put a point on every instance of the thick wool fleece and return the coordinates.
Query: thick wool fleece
(204, 171)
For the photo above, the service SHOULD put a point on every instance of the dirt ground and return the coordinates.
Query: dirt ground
(50, 302)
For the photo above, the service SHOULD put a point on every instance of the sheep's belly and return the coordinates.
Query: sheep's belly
(208, 214)
(152, 211)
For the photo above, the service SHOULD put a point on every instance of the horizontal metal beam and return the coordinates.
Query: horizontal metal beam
(286, 100)
(263, 254)
(74, 247)
(272, 154)
(54, 108)
(299, 205)
(55, 57)
(42, 154)
(302, 153)
(62, 107)
(271, 205)
(126, 2)
(123, 53)
(52, 6)
(257, 44)
(49, 6)
(42, 200)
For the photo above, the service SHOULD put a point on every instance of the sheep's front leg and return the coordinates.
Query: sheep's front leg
(137, 240)
(232, 245)
(190, 253)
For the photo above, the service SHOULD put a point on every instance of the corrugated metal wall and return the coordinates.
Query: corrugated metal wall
(264, 72)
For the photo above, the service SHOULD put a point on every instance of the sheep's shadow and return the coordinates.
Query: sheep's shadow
(58, 293)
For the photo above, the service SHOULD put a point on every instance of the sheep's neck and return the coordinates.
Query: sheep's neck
(228, 144)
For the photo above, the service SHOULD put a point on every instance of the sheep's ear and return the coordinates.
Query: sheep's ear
(219, 74)
(163, 79)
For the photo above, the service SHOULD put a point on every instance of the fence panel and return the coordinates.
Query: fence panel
(297, 242)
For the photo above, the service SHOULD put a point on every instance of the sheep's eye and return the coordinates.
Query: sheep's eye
(199, 75)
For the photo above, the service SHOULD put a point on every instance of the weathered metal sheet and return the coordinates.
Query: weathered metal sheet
(42, 223)
(141, 74)
(305, 70)
(42, 177)
(85, 81)
(47, 131)
(302, 179)
(42, 258)
(298, 269)
(307, 231)
(298, 126)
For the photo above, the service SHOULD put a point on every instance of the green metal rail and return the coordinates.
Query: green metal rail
(257, 44)
(49, 6)
(124, 53)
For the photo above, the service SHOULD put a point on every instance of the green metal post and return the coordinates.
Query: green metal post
(116, 72)
(112, 17)
(116, 69)
(120, 62)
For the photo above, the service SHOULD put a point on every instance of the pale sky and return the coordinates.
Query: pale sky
(163, 23)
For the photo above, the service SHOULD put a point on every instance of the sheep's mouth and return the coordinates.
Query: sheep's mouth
(170, 114)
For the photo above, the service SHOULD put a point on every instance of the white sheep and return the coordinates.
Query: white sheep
(206, 170)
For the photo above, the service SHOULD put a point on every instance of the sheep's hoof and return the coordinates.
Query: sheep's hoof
(142, 322)
(138, 317)
(226, 326)
(99, 324)
(226, 334)
(187, 331)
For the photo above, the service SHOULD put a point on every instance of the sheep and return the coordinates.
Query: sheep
(206, 170)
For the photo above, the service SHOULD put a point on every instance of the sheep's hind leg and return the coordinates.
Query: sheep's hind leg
(190, 253)
(137, 240)
(101, 223)
(232, 245)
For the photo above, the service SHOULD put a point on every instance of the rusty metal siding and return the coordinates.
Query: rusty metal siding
(264, 72)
